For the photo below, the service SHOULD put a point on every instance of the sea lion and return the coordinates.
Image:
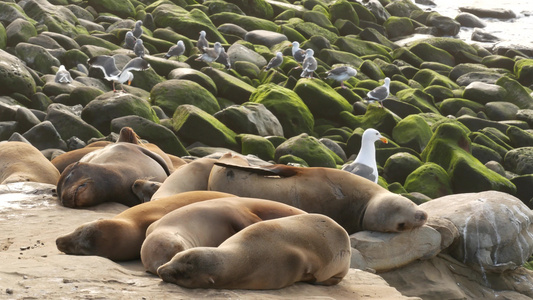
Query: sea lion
(145, 189)
(205, 224)
(107, 174)
(352, 201)
(270, 254)
(21, 161)
(63, 160)
(121, 237)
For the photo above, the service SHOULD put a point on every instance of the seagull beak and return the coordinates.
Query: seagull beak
(384, 140)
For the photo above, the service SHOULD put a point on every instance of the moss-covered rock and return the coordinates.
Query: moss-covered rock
(399, 165)
(525, 193)
(109, 106)
(374, 117)
(294, 116)
(419, 99)
(86, 39)
(309, 29)
(519, 161)
(229, 86)
(154, 133)
(428, 77)
(294, 160)
(121, 8)
(193, 124)
(247, 22)
(451, 106)
(256, 145)
(523, 69)
(252, 118)
(18, 31)
(175, 92)
(11, 11)
(412, 132)
(3, 37)
(516, 93)
(362, 48)
(501, 111)
(37, 57)
(484, 140)
(309, 149)
(56, 18)
(321, 99)
(331, 57)
(398, 26)
(344, 10)
(319, 19)
(14, 76)
(519, 138)
(429, 52)
(451, 45)
(483, 93)
(257, 8)
(194, 75)
(450, 148)
(429, 179)
(83, 95)
(68, 124)
(402, 8)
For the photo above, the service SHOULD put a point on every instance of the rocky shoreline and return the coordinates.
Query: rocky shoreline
(459, 116)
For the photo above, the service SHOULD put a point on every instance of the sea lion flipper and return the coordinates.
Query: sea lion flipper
(272, 170)
(157, 158)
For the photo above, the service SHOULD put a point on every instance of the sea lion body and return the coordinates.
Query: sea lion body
(20, 162)
(205, 224)
(107, 175)
(352, 201)
(270, 254)
(63, 160)
(121, 237)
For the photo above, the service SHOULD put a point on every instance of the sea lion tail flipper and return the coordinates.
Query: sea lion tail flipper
(272, 170)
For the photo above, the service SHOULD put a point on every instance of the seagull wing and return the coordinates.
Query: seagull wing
(136, 64)
(379, 93)
(361, 170)
(105, 63)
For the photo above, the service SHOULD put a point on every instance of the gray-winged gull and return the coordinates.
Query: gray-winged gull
(112, 73)
(202, 43)
(297, 53)
(341, 74)
(211, 54)
(223, 58)
(137, 30)
(309, 64)
(380, 93)
(62, 75)
(275, 62)
(176, 50)
(129, 40)
(138, 49)
(364, 164)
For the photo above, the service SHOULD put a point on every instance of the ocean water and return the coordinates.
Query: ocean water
(518, 30)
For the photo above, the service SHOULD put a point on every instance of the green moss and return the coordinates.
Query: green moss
(412, 132)
(343, 9)
(321, 99)
(362, 48)
(309, 149)
(121, 8)
(429, 179)
(172, 93)
(418, 98)
(247, 22)
(256, 145)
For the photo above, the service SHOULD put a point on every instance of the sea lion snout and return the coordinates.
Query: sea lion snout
(421, 217)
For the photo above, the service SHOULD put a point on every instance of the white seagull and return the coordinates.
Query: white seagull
(297, 53)
(176, 50)
(341, 74)
(275, 62)
(62, 75)
(211, 54)
(364, 164)
(380, 93)
(202, 43)
(112, 73)
(309, 64)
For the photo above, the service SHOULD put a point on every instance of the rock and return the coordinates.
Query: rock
(361, 48)
(429, 179)
(109, 106)
(256, 145)
(418, 98)
(25, 119)
(233, 30)
(519, 160)
(154, 133)
(252, 118)
(523, 69)
(495, 229)
(485, 77)
(498, 61)
(215, 7)
(428, 52)
(519, 138)
(193, 124)
(428, 77)
(523, 188)
(19, 31)
(14, 76)
(452, 106)
(375, 117)
(335, 147)
(379, 12)
(320, 19)
(57, 18)
(469, 20)
(498, 13)
(308, 148)
(343, 10)
(238, 52)
(190, 92)
(37, 57)
(480, 35)
(450, 148)
(196, 76)
(230, 87)
(399, 165)
(11, 11)
(373, 35)
(445, 26)
(264, 37)
(309, 29)
(69, 124)
(386, 251)
(249, 23)
(322, 100)
(516, 93)
(257, 8)
(292, 113)
(501, 111)
(121, 8)
(451, 45)
(412, 132)
(484, 92)
(83, 95)
(44, 136)
(398, 26)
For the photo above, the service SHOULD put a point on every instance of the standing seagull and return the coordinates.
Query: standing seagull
(297, 53)
(138, 49)
(223, 58)
(202, 43)
(176, 50)
(341, 74)
(112, 73)
(380, 93)
(364, 164)
(211, 54)
(275, 62)
(62, 75)
(129, 40)
(309, 64)
(137, 30)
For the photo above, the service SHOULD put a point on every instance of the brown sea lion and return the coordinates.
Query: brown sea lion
(205, 224)
(352, 201)
(21, 161)
(270, 254)
(63, 160)
(121, 237)
(107, 174)
(145, 189)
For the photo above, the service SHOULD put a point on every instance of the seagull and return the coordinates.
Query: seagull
(211, 54)
(176, 50)
(112, 73)
(202, 43)
(137, 30)
(129, 40)
(297, 53)
(341, 74)
(275, 62)
(223, 58)
(380, 93)
(364, 164)
(138, 49)
(309, 64)
(62, 75)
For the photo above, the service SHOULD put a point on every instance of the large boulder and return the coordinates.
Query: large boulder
(519, 160)
(321, 99)
(413, 132)
(251, 118)
(69, 124)
(121, 8)
(429, 179)
(37, 57)
(56, 18)
(308, 148)
(14, 76)
(19, 31)
(230, 87)
(399, 165)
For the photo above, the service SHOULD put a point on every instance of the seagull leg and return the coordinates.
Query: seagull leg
(114, 90)
(342, 85)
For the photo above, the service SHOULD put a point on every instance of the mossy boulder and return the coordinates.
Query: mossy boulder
(332, 56)
(83, 95)
(451, 45)
(429, 52)
(256, 145)
(56, 18)
(229, 86)
(86, 39)
(375, 117)
(483, 93)
(450, 148)
(3, 37)
(170, 94)
(37, 57)
(501, 111)
(343, 10)
(294, 116)
(523, 69)
(121, 8)
(412, 132)
(362, 48)
(192, 124)
(109, 106)
(519, 138)
(516, 93)
(249, 23)
(427, 77)
(294, 160)
(11, 11)
(68, 124)
(321, 99)
(399, 165)
(419, 99)
(309, 29)
(451, 106)
(429, 179)
(196, 76)
(18, 31)
(14, 76)
(257, 8)
(44, 136)
(402, 8)
(398, 26)
(483, 139)
(252, 118)
(519, 161)
(154, 133)
(310, 150)
(525, 193)
(319, 19)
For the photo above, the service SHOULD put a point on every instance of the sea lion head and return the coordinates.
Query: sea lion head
(80, 185)
(192, 268)
(389, 212)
